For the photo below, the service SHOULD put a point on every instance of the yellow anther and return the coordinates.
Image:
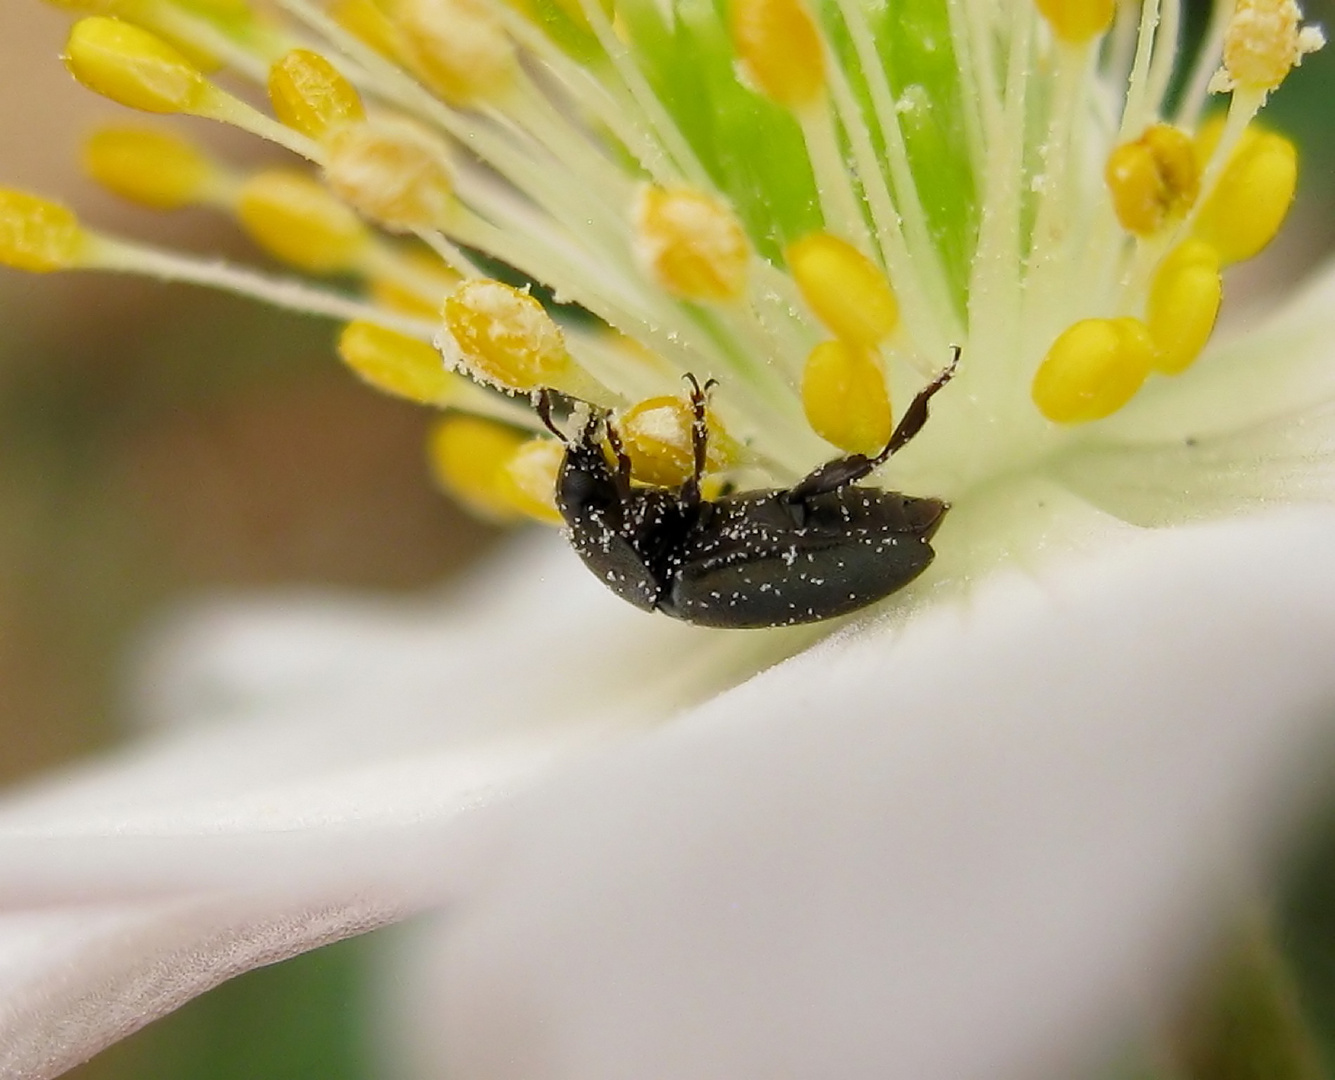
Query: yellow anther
(845, 289)
(1183, 305)
(419, 286)
(693, 245)
(392, 172)
(133, 67)
(297, 220)
(310, 95)
(1077, 21)
(1264, 41)
(153, 168)
(1092, 370)
(1248, 203)
(469, 457)
(398, 365)
(364, 20)
(656, 434)
(458, 46)
(38, 235)
(845, 397)
(532, 472)
(506, 338)
(780, 48)
(1152, 180)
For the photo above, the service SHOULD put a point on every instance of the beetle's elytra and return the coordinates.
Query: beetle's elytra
(774, 557)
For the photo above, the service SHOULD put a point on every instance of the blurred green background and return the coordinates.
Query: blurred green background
(147, 459)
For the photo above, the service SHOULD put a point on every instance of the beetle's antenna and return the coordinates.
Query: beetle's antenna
(690, 491)
(916, 414)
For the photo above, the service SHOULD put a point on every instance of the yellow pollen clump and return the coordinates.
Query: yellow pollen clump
(1092, 370)
(1077, 21)
(506, 338)
(845, 399)
(692, 244)
(152, 168)
(469, 457)
(391, 172)
(779, 46)
(1264, 41)
(1183, 304)
(532, 473)
(845, 289)
(1248, 203)
(133, 67)
(1153, 180)
(458, 46)
(297, 220)
(656, 434)
(38, 235)
(309, 94)
(397, 364)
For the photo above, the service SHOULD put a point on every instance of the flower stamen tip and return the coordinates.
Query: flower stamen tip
(845, 398)
(310, 95)
(1077, 22)
(1153, 180)
(1093, 368)
(503, 337)
(1265, 40)
(156, 169)
(691, 243)
(38, 235)
(656, 436)
(397, 364)
(846, 290)
(779, 49)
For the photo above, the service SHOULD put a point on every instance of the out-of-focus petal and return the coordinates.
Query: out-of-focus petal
(1250, 424)
(73, 980)
(386, 729)
(977, 847)
(329, 758)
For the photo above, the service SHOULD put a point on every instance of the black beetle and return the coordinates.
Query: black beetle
(773, 557)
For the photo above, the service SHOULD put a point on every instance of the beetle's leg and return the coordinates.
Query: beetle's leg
(544, 411)
(848, 470)
(690, 491)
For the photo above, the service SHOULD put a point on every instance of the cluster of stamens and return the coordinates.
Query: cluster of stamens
(805, 208)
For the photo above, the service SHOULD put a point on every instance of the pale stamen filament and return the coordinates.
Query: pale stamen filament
(1166, 47)
(1137, 113)
(133, 258)
(901, 226)
(1205, 65)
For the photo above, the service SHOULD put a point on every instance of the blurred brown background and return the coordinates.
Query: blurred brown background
(164, 442)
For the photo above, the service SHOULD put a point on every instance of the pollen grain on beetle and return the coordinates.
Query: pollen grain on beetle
(808, 204)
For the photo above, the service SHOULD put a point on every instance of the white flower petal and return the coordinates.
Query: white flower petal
(388, 730)
(1251, 423)
(330, 766)
(963, 851)
(74, 980)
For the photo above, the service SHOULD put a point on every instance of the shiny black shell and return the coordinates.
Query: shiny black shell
(755, 559)
(775, 557)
